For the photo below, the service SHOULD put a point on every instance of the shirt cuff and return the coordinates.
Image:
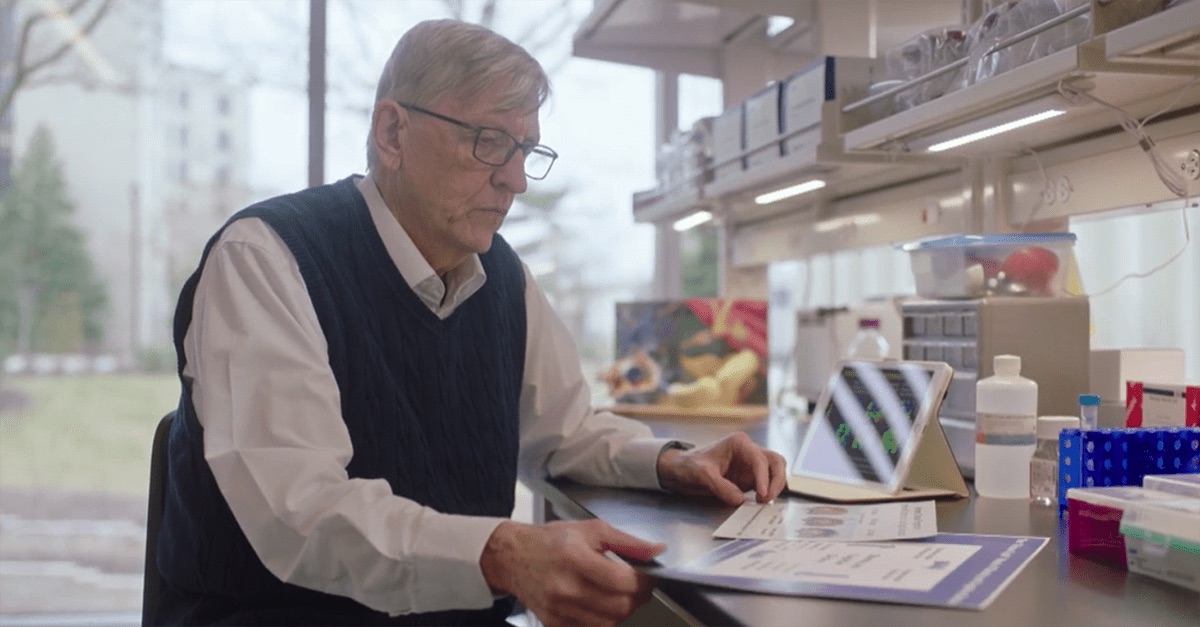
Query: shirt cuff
(640, 459)
(448, 571)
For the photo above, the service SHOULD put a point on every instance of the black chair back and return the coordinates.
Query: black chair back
(152, 581)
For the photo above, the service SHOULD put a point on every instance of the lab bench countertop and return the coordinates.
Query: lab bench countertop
(1055, 588)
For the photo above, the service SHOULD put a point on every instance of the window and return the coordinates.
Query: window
(223, 105)
(183, 99)
(223, 141)
(183, 137)
(222, 176)
(183, 172)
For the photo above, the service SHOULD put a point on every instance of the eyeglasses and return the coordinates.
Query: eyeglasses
(495, 147)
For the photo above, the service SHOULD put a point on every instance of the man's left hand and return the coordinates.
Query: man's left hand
(726, 469)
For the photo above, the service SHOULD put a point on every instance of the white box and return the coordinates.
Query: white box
(762, 127)
(1162, 404)
(1183, 484)
(804, 93)
(811, 100)
(1162, 540)
(729, 142)
(1111, 368)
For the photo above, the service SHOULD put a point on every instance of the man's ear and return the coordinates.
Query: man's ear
(389, 126)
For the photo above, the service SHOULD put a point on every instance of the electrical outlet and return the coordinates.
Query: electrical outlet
(1062, 190)
(1049, 193)
(1191, 165)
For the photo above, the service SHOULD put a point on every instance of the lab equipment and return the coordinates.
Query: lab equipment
(1122, 457)
(1050, 335)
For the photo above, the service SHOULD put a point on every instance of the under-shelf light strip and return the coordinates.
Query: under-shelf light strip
(692, 221)
(788, 192)
(995, 130)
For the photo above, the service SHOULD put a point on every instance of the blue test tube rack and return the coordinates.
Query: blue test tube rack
(1123, 457)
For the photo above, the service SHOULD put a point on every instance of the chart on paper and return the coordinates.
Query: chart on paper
(917, 567)
(802, 520)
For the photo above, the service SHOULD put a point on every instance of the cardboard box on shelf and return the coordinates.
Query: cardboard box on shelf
(729, 140)
(762, 127)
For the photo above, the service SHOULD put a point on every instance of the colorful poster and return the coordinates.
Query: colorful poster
(690, 353)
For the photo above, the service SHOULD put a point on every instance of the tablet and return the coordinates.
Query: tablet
(868, 425)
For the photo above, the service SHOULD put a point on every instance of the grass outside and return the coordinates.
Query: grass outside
(84, 433)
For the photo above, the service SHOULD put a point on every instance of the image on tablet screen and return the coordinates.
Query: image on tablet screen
(862, 433)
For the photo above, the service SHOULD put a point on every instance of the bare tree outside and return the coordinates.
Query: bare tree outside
(32, 64)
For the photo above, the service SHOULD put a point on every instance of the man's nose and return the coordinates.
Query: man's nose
(511, 175)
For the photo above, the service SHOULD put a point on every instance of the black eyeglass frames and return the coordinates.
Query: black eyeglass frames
(495, 147)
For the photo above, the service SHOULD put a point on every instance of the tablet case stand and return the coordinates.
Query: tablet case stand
(933, 473)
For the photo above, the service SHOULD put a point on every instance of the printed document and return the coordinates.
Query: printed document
(803, 520)
(950, 569)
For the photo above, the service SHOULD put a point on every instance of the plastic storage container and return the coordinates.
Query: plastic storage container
(1162, 540)
(1005, 430)
(971, 266)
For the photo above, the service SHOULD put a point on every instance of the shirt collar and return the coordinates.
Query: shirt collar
(461, 281)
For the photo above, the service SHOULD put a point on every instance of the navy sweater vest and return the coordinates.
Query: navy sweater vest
(431, 406)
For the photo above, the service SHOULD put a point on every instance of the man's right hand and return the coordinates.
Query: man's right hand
(559, 570)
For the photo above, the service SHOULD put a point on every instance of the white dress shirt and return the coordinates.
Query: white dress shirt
(274, 436)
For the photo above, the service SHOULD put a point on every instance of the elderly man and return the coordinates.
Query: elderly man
(366, 367)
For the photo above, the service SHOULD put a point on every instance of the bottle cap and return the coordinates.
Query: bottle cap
(868, 323)
(1049, 426)
(1089, 399)
(1007, 365)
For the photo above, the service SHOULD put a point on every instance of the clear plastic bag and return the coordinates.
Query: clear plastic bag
(1004, 21)
(928, 51)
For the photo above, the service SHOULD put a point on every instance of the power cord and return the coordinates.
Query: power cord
(1187, 238)
(1170, 176)
(1041, 198)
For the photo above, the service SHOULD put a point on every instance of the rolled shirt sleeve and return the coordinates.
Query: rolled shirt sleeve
(561, 434)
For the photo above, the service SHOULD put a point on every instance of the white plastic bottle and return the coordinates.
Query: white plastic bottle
(1005, 430)
(868, 342)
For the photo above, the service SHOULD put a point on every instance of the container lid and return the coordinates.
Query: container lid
(1008, 239)
(1089, 399)
(1049, 426)
(1119, 497)
(1174, 519)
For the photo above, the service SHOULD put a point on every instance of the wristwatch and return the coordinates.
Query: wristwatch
(677, 446)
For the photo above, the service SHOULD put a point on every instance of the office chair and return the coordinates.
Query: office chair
(152, 581)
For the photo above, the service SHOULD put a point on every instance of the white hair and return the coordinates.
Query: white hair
(439, 57)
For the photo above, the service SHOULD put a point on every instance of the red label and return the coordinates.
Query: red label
(1192, 412)
(1133, 404)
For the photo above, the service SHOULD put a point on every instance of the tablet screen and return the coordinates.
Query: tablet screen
(867, 423)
